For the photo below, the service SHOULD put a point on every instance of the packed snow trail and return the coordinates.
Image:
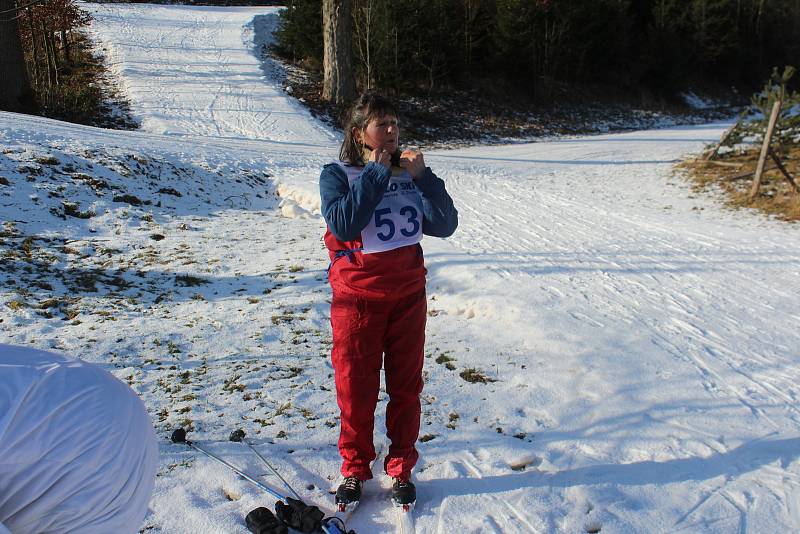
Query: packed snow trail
(608, 350)
(199, 71)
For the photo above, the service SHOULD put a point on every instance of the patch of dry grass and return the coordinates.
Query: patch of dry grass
(776, 197)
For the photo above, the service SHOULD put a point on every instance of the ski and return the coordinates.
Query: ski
(404, 498)
(405, 517)
(405, 521)
(342, 517)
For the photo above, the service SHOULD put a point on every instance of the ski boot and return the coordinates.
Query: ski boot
(348, 494)
(404, 494)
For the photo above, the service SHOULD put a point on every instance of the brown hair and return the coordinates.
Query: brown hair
(366, 107)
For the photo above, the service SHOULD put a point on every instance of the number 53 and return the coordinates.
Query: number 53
(383, 218)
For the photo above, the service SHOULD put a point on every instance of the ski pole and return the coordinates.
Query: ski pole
(239, 437)
(305, 518)
(179, 436)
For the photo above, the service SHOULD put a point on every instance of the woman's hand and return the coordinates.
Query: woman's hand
(382, 156)
(413, 162)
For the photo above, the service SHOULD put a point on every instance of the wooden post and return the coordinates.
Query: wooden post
(748, 174)
(789, 177)
(762, 159)
(712, 153)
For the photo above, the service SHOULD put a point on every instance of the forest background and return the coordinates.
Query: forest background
(539, 50)
(465, 70)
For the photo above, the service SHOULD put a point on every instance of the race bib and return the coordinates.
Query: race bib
(397, 220)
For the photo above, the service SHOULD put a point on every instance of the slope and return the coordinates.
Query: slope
(607, 351)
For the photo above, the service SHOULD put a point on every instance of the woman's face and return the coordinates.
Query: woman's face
(381, 132)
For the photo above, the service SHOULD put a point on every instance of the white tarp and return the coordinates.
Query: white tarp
(77, 449)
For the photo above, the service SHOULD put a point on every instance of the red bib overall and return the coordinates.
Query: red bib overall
(378, 316)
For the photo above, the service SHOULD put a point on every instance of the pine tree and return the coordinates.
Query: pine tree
(299, 35)
(538, 45)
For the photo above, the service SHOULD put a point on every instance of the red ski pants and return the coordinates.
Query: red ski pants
(364, 333)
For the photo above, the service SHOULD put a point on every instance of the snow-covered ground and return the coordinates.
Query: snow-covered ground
(635, 344)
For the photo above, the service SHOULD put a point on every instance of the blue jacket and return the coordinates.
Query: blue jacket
(348, 208)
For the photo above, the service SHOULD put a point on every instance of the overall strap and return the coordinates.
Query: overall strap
(350, 252)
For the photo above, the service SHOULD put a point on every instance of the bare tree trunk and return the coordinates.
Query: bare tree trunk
(363, 37)
(368, 43)
(46, 50)
(51, 35)
(65, 46)
(15, 89)
(35, 49)
(50, 49)
(339, 83)
(470, 13)
(396, 61)
(46, 46)
(760, 32)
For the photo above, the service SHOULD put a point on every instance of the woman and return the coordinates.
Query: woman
(377, 212)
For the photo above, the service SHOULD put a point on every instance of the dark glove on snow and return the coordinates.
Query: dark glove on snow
(263, 521)
(298, 515)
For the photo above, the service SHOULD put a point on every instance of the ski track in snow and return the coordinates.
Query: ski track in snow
(642, 339)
